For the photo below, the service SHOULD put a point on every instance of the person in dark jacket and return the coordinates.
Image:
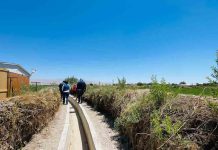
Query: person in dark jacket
(66, 92)
(81, 88)
(60, 89)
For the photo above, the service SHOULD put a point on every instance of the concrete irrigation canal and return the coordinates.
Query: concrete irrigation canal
(75, 127)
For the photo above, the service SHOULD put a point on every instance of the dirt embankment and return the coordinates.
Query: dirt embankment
(63, 132)
(23, 116)
(161, 120)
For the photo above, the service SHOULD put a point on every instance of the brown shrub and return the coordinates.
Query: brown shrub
(23, 116)
(193, 119)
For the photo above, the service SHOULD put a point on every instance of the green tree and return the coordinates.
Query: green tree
(214, 74)
(159, 91)
(182, 83)
(121, 83)
(140, 84)
(72, 80)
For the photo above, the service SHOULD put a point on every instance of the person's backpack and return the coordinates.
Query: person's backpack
(60, 86)
(66, 87)
(74, 88)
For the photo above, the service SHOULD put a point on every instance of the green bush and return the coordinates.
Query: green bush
(121, 83)
(213, 106)
(163, 126)
(132, 114)
(140, 84)
(158, 118)
(159, 92)
(71, 80)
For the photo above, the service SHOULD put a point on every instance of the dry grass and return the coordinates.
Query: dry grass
(23, 116)
(199, 128)
(178, 122)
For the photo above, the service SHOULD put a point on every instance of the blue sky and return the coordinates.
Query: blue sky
(102, 40)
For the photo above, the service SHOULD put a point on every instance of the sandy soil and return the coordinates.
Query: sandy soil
(49, 138)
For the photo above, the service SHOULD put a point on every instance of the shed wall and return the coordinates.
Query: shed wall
(16, 82)
(3, 84)
(11, 83)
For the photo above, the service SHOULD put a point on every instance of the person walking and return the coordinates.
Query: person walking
(81, 88)
(74, 90)
(66, 92)
(60, 89)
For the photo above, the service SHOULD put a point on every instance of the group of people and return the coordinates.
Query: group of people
(77, 90)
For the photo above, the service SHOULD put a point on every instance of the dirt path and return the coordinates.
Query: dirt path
(62, 130)
(65, 129)
(106, 136)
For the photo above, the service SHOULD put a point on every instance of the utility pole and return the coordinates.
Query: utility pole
(36, 85)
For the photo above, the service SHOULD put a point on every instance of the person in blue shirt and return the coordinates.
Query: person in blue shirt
(81, 88)
(66, 92)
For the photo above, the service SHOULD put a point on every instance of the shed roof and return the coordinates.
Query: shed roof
(15, 68)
